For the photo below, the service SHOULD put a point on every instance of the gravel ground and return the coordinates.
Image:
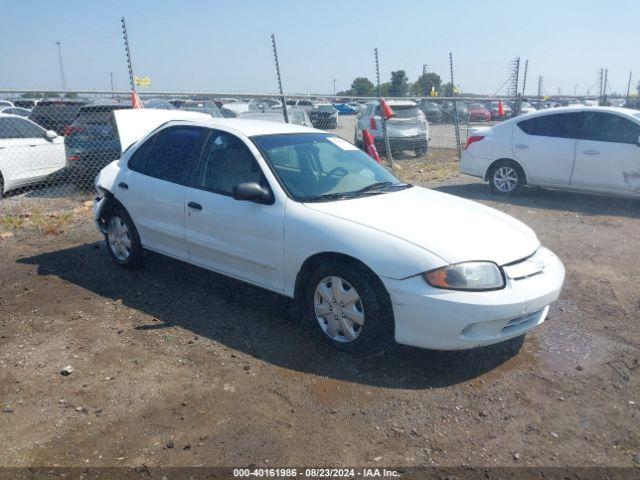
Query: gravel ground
(174, 365)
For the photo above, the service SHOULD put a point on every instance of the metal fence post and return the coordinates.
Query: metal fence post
(387, 146)
(128, 54)
(455, 107)
(283, 100)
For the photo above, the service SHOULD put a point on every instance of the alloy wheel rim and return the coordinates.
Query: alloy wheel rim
(505, 179)
(119, 240)
(339, 309)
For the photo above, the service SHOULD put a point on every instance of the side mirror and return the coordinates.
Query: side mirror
(252, 192)
(51, 134)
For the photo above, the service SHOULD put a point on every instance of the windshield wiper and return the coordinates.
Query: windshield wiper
(373, 189)
(382, 186)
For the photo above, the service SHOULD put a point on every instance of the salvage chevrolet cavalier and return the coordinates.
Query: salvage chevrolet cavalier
(304, 213)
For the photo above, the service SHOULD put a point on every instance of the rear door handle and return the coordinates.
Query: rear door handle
(123, 186)
(33, 144)
(194, 206)
(520, 145)
(591, 152)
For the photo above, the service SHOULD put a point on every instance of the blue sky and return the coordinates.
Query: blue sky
(224, 46)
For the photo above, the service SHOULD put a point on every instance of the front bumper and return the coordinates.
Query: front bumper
(440, 319)
(98, 204)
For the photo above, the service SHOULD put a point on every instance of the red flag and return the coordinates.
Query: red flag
(370, 146)
(386, 109)
(135, 100)
(500, 109)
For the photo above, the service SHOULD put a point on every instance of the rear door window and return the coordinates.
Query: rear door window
(559, 125)
(170, 154)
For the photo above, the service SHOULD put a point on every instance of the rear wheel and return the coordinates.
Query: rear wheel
(506, 178)
(122, 239)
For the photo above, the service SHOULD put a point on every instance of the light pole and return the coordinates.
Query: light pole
(64, 81)
(334, 87)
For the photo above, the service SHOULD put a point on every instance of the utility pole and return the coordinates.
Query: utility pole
(540, 80)
(515, 80)
(601, 90)
(606, 84)
(524, 82)
(111, 81)
(282, 98)
(334, 87)
(62, 78)
(629, 86)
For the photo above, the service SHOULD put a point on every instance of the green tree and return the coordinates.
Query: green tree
(362, 87)
(447, 89)
(385, 89)
(399, 84)
(425, 83)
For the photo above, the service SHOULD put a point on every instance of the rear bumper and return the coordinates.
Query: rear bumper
(439, 319)
(474, 166)
(419, 142)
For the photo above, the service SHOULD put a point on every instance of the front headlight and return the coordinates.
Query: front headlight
(474, 276)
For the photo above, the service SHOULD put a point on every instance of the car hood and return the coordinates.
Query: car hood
(455, 229)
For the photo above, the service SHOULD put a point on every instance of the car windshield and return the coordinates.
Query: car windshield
(321, 167)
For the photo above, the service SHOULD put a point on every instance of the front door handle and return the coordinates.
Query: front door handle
(194, 206)
(123, 186)
(33, 144)
(591, 152)
(520, 145)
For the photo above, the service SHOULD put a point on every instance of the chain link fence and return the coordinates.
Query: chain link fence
(54, 147)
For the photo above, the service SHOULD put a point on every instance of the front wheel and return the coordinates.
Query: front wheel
(506, 178)
(122, 239)
(346, 307)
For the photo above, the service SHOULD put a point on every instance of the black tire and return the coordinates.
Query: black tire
(422, 150)
(135, 257)
(506, 166)
(377, 330)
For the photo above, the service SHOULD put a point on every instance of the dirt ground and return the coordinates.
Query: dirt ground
(174, 365)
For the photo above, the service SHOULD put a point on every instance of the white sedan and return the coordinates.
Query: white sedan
(306, 214)
(591, 149)
(28, 153)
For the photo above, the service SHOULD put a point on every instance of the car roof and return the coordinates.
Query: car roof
(134, 124)
(397, 103)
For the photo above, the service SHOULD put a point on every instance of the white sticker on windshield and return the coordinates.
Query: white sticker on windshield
(342, 143)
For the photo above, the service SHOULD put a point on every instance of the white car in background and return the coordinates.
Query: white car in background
(408, 129)
(306, 214)
(19, 111)
(590, 149)
(28, 153)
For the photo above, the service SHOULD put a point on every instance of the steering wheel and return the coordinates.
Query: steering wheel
(343, 171)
